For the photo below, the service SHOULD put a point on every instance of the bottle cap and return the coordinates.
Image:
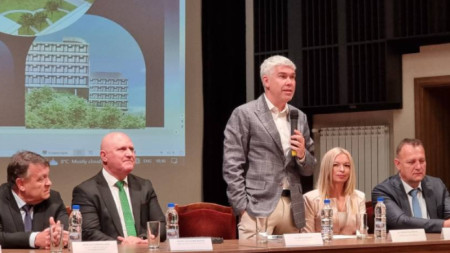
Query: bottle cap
(380, 199)
(326, 201)
(170, 205)
(76, 207)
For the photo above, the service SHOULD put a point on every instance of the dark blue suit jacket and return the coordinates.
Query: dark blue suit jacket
(12, 232)
(398, 210)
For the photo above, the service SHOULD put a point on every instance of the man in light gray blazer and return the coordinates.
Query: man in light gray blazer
(263, 161)
(430, 209)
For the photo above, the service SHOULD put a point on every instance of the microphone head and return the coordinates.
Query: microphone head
(293, 114)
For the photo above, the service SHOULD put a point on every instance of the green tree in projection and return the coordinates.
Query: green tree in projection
(26, 20)
(46, 108)
(54, 113)
(92, 118)
(37, 97)
(109, 117)
(51, 6)
(39, 18)
(76, 111)
(131, 121)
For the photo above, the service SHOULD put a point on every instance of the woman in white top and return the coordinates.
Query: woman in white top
(336, 182)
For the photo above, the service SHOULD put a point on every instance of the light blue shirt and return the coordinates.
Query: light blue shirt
(422, 204)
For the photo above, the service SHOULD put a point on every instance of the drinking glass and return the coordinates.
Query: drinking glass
(361, 225)
(153, 234)
(261, 230)
(56, 238)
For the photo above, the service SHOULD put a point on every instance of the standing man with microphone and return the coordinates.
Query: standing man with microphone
(267, 148)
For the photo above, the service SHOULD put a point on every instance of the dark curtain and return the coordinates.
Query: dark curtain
(223, 38)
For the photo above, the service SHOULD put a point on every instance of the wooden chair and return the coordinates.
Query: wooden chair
(206, 219)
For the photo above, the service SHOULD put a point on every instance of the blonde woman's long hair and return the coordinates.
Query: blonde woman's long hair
(325, 180)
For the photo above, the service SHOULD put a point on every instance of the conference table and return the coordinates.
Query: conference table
(349, 245)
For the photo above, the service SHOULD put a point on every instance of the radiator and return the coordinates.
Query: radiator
(369, 147)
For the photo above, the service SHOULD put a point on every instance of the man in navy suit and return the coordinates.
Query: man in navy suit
(429, 207)
(100, 202)
(262, 161)
(28, 205)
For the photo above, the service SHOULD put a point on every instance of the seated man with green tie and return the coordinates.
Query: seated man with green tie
(27, 204)
(413, 199)
(116, 204)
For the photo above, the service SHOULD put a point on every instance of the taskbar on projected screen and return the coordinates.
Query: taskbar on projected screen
(159, 161)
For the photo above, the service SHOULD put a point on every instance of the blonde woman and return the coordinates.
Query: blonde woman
(336, 182)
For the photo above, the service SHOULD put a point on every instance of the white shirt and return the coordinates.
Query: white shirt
(111, 180)
(281, 121)
(422, 203)
(284, 129)
(20, 204)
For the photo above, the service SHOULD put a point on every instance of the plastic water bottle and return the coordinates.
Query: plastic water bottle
(380, 219)
(75, 221)
(326, 219)
(172, 229)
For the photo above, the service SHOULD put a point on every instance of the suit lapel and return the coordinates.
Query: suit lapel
(108, 200)
(400, 190)
(265, 116)
(15, 213)
(429, 198)
(39, 216)
(135, 190)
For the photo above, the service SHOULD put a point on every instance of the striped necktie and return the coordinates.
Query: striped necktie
(127, 215)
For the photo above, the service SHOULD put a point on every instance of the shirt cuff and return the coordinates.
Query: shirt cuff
(300, 161)
(33, 239)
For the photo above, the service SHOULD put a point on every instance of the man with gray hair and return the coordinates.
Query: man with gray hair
(263, 161)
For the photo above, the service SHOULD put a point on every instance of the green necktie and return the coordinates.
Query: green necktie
(127, 215)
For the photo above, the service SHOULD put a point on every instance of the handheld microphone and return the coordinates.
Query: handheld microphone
(293, 116)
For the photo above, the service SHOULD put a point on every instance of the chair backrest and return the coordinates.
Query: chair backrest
(206, 219)
(370, 216)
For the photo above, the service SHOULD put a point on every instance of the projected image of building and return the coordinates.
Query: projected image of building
(63, 66)
(108, 88)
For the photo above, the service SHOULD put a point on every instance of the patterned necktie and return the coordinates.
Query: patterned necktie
(127, 215)
(27, 220)
(415, 203)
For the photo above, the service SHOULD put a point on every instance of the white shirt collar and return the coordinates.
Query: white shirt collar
(19, 201)
(110, 179)
(274, 109)
(408, 188)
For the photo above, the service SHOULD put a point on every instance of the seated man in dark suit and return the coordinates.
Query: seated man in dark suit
(116, 204)
(27, 205)
(413, 199)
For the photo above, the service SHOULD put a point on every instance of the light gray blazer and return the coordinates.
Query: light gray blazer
(254, 164)
(398, 210)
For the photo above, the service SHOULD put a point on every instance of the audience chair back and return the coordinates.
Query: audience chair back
(206, 219)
